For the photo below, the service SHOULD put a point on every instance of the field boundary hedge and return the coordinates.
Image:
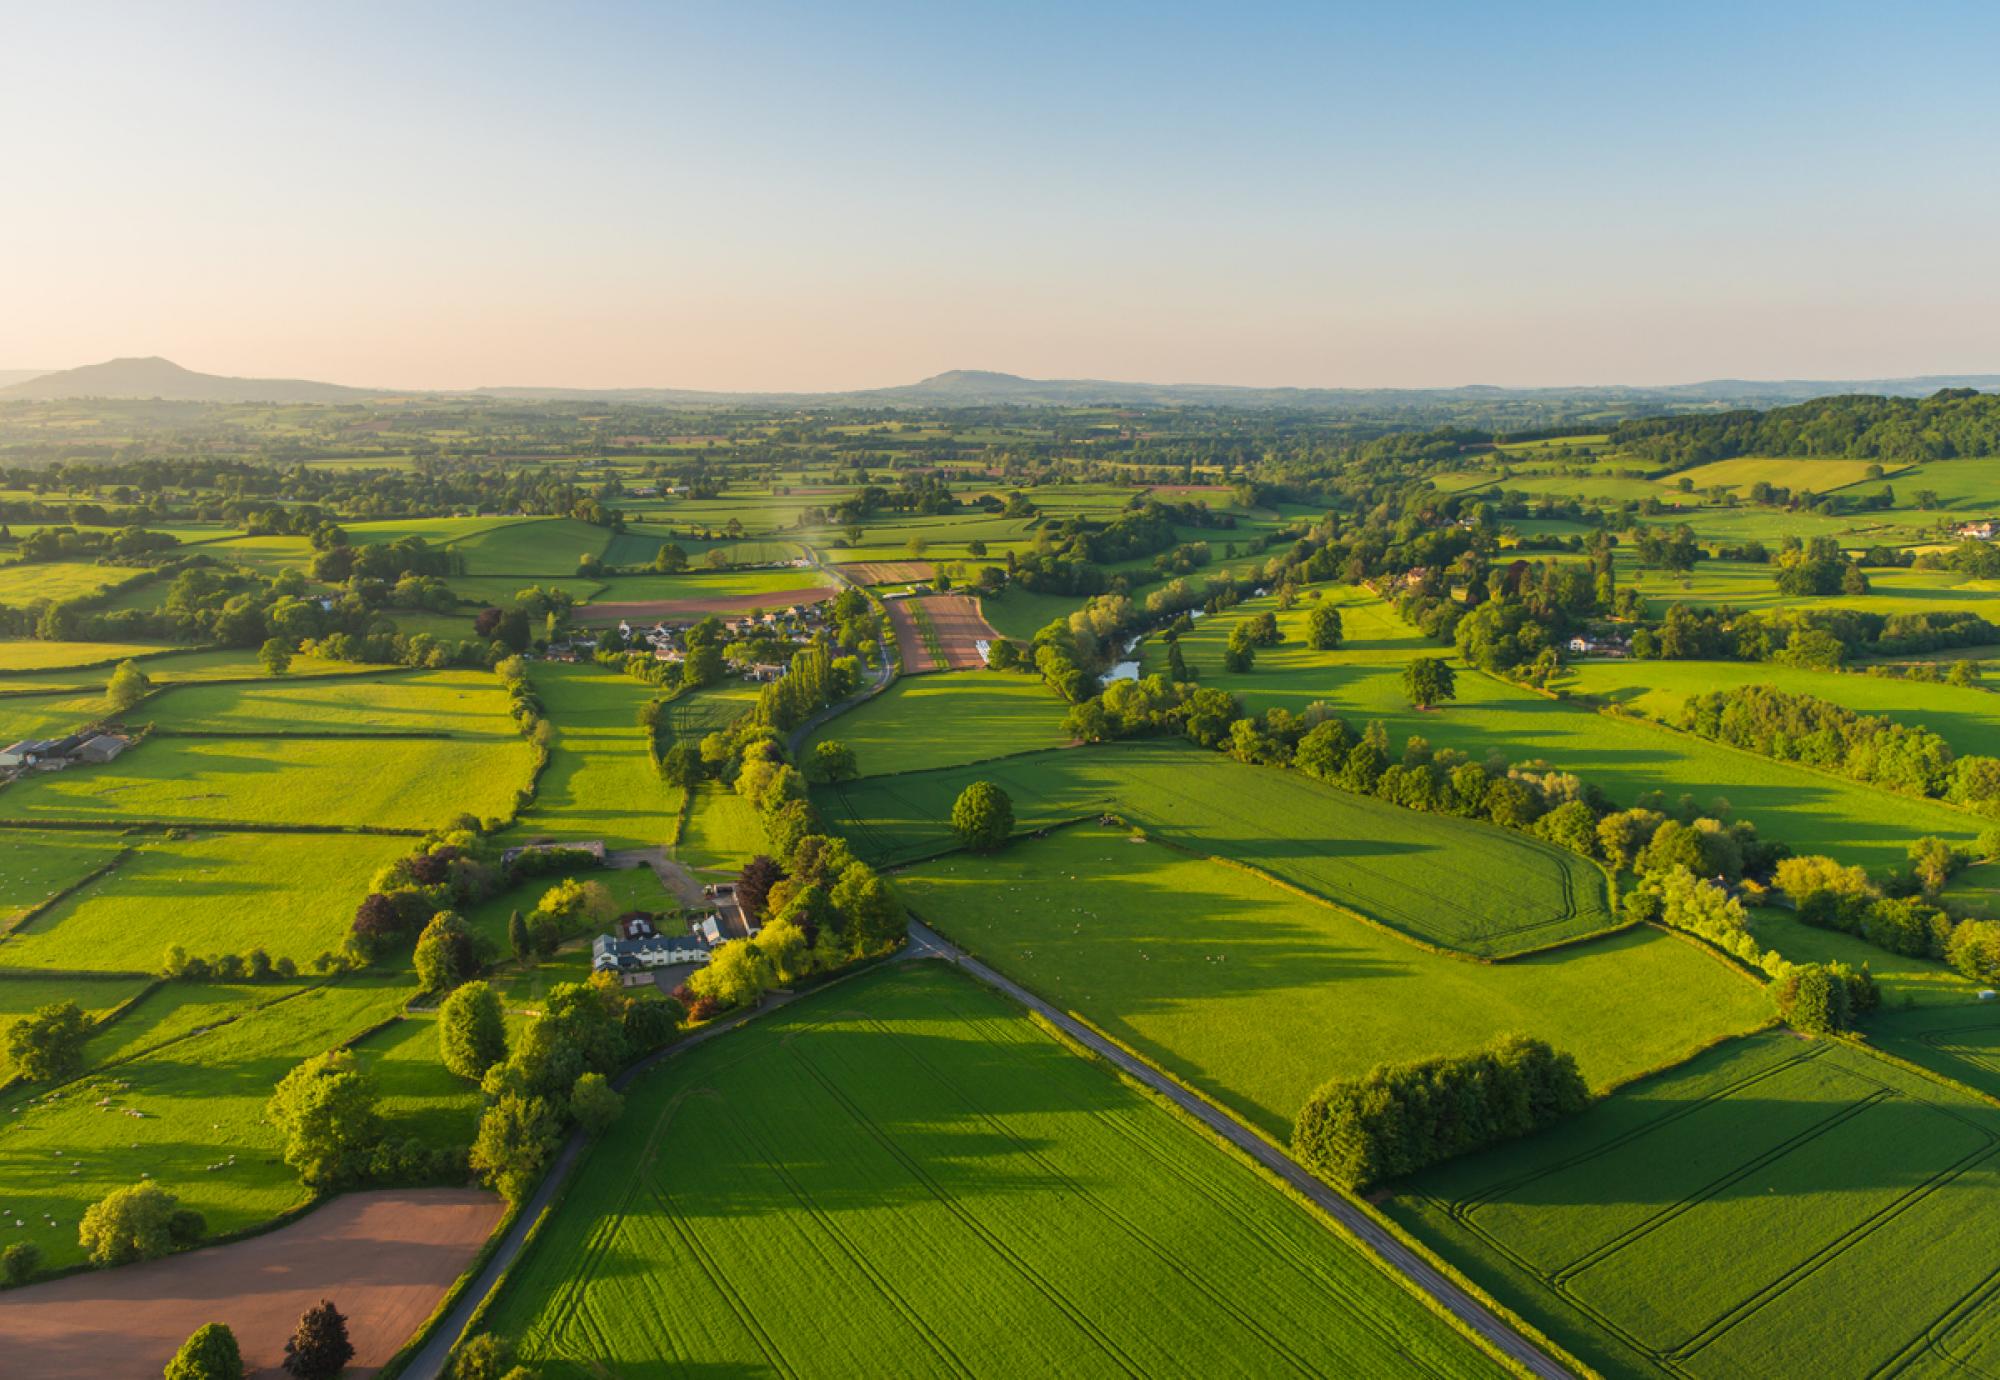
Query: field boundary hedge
(49, 903)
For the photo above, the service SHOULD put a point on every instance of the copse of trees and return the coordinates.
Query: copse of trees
(47, 1047)
(1951, 422)
(1399, 1118)
(142, 1222)
(1797, 727)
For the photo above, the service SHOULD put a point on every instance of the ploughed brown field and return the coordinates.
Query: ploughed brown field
(959, 626)
(656, 610)
(888, 572)
(386, 1258)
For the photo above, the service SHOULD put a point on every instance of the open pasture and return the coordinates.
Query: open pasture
(640, 542)
(1397, 867)
(181, 1113)
(1257, 995)
(435, 531)
(1968, 719)
(1970, 488)
(1769, 1206)
(24, 994)
(1018, 614)
(455, 703)
(600, 782)
(1800, 474)
(406, 784)
(937, 721)
(36, 865)
(21, 585)
(17, 655)
(292, 895)
(535, 548)
(924, 1144)
(1624, 756)
(722, 832)
(1755, 588)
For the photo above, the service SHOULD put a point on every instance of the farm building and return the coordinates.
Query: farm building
(102, 748)
(635, 959)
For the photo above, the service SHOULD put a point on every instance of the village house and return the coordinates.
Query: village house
(635, 960)
(1981, 530)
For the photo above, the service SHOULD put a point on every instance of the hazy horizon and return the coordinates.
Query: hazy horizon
(773, 198)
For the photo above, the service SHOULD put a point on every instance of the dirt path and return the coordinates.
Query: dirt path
(385, 1258)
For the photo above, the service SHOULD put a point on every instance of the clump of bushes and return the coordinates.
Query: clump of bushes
(1398, 1118)
(178, 965)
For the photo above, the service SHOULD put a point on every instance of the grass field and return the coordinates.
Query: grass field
(470, 704)
(906, 1176)
(1395, 866)
(1257, 995)
(421, 1098)
(291, 894)
(536, 548)
(47, 656)
(390, 783)
(1768, 1207)
(1819, 475)
(780, 585)
(200, 1129)
(1967, 485)
(723, 830)
(1019, 614)
(23, 994)
(1624, 757)
(943, 720)
(1968, 719)
(21, 585)
(35, 865)
(1959, 1039)
(1904, 981)
(600, 782)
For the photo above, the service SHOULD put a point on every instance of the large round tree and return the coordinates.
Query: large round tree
(983, 816)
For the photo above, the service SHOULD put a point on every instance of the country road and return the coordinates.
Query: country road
(926, 942)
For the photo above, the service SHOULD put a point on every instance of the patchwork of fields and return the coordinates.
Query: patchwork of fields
(971, 1198)
(1256, 995)
(1394, 866)
(1773, 1207)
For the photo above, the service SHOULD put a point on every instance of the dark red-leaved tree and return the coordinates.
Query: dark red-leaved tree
(378, 918)
(319, 1350)
(754, 883)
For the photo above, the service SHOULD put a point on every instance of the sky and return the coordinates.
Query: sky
(759, 196)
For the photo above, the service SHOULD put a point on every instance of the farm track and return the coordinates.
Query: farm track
(1394, 1256)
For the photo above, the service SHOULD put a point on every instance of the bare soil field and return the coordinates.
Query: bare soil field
(888, 572)
(956, 625)
(651, 610)
(385, 1258)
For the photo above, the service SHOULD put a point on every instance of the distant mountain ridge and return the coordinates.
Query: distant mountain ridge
(153, 377)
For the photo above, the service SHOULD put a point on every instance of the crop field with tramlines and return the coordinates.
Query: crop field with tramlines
(1774, 1207)
(1256, 994)
(1398, 867)
(908, 1176)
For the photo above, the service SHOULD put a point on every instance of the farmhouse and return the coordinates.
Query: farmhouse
(1982, 530)
(635, 959)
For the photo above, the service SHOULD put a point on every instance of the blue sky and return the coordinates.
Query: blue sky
(792, 196)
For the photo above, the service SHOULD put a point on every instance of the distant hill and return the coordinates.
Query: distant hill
(984, 388)
(159, 378)
(9, 377)
(153, 377)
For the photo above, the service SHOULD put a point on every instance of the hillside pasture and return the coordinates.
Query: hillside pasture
(17, 655)
(534, 548)
(1820, 475)
(935, 721)
(1805, 1199)
(923, 1144)
(1399, 868)
(36, 865)
(1256, 995)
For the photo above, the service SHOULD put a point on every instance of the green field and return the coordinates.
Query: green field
(22, 994)
(723, 831)
(1819, 475)
(21, 585)
(906, 1176)
(532, 548)
(1019, 614)
(421, 1098)
(413, 784)
(292, 895)
(781, 586)
(1625, 757)
(1256, 995)
(47, 656)
(1904, 981)
(1397, 867)
(1774, 1208)
(600, 782)
(1968, 719)
(468, 704)
(943, 720)
(200, 1101)
(34, 866)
